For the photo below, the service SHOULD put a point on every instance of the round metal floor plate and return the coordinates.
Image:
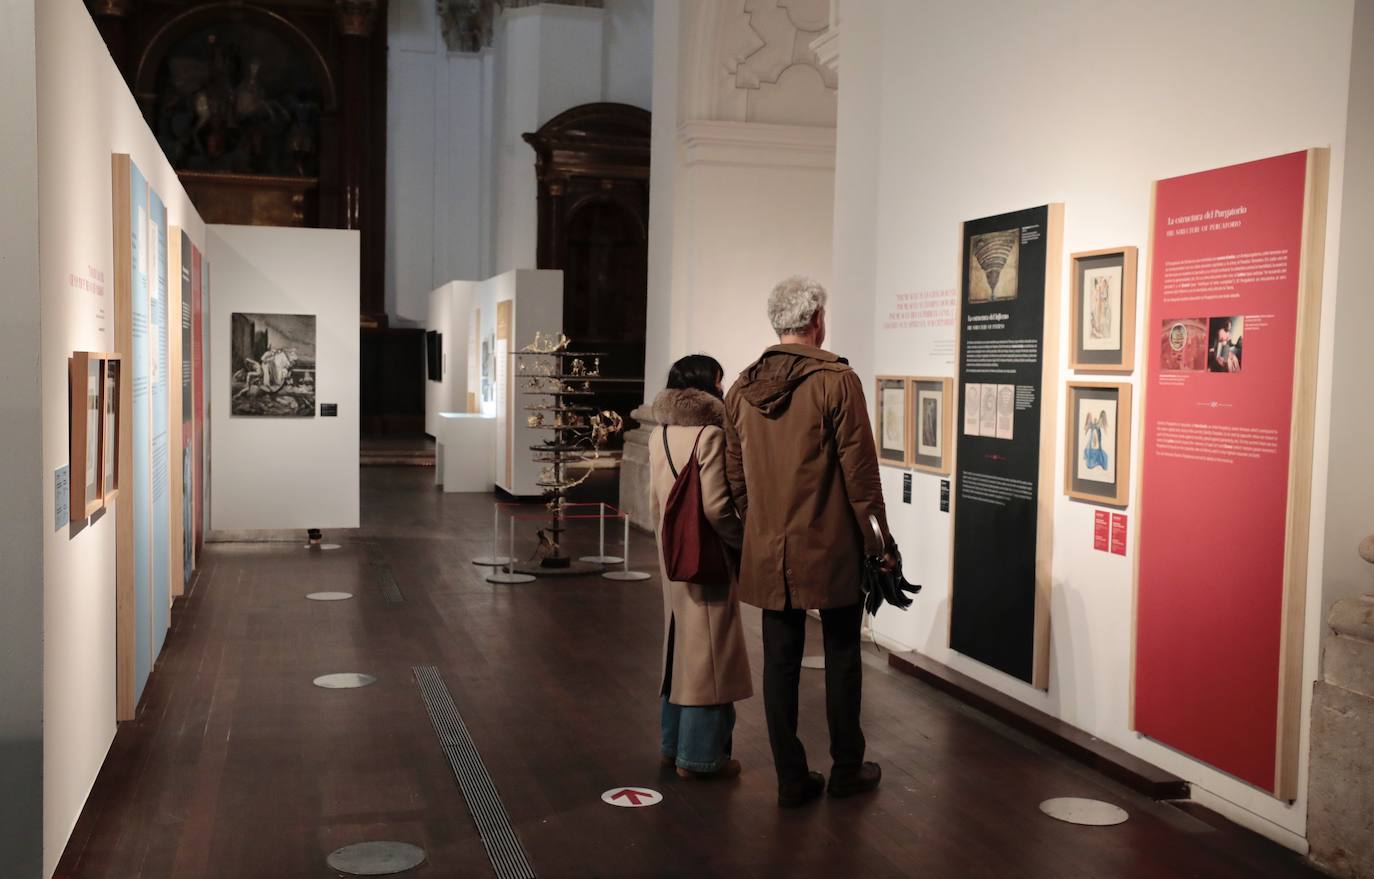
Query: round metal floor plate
(323, 546)
(601, 559)
(346, 680)
(630, 576)
(503, 577)
(1077, 810)
(492, 561)
(329, 596)
(813, 661)
(376, 858)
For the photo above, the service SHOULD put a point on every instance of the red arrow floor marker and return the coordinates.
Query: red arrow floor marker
(632, 797)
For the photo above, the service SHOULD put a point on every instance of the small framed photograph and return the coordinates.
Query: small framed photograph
(891, 424)
(1099, 442)
(1102, 301)
(84, 401)
(932, 401)
(109, 427)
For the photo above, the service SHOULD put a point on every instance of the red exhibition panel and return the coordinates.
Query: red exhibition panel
(1221, 336)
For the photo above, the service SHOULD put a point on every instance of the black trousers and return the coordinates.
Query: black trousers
(784, 638)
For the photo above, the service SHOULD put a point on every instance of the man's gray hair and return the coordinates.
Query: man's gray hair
(793, 303)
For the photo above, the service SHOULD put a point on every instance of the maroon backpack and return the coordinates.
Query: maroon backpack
(692, 550)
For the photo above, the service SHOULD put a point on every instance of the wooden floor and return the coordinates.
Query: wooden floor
(238, 767)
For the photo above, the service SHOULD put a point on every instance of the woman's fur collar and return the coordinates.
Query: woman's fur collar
(689, 408)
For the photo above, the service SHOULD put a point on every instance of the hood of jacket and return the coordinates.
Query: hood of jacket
(689, 407)
(769, 383)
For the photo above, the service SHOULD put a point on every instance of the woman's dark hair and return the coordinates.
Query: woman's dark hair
(697, 371)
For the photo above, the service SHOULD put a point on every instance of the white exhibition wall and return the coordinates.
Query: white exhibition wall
(22, 466)
(448, 315)
(1186, 87)
(85, 114)
(286, 473)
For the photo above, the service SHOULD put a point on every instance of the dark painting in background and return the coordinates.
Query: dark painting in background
(434, 355)
(273, 365)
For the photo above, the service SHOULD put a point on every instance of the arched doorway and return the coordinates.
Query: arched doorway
(593, 168)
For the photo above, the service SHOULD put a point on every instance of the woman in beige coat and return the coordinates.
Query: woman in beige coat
(705, 666)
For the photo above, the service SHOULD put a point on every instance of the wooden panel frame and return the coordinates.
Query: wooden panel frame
(947, 429)
(1293, 617)
(1129, 271)
(1123, 443)
(505, 320)
(82, 506)
(1049, 413)
(908, 453)
(125, 647)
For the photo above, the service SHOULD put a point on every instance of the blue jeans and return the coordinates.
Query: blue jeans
(697, 737)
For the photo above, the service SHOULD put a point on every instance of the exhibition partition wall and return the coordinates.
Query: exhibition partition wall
(508, 310)
(99, 639)
(1194, 103)
(283, 378)
(449, 329)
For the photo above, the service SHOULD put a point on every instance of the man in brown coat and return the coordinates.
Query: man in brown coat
(803, 472)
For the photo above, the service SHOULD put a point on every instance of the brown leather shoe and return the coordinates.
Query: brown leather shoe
(729, 770)
(797, 793)
(863, 780)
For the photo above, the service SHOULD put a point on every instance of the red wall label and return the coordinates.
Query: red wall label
(1119, 533)
(1100, 530)
(1220, 340)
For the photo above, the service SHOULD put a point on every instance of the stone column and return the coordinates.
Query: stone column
(634, 469)
(1340, 795)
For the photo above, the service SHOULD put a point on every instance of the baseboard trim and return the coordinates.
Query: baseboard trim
(1110, 760)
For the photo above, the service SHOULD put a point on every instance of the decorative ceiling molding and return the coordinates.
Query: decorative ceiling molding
(470, 25)
(769, 36)
(748, 144)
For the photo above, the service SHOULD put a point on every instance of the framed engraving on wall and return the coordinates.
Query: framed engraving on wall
(109, 427)
(1099, 442)
(891, 426)
(1102, 300)
(931, 402)
(84, 400)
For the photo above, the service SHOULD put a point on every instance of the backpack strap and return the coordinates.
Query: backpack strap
(669, 452)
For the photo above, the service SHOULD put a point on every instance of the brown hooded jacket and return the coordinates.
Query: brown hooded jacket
(803, 472)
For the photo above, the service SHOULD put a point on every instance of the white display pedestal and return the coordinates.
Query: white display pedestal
(465, 452)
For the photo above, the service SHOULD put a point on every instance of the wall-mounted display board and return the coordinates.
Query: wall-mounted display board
(931, 401)
(84, 389)
(1003, 511)
(272, 365)
(200, 307)
(144, 466)
(1098, 447)
(891, 403)
(1225, 461)
(1102, 310)
(434, 355)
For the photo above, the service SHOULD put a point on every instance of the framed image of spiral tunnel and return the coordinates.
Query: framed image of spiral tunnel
(273, 372)
(1099, 442)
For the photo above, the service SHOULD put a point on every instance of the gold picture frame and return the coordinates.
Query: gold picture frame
(1098, 442)
(85, 381)
(932, 416)
(891, 403)
(1102, 291)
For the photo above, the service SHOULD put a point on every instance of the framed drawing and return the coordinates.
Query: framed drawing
(83, 400)
(109, 427)
(891, 425)
(1099, 442)
(932, 405)
(272, 371)
(1102, 299)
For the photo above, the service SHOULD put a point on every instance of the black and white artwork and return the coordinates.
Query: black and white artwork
(273, 365)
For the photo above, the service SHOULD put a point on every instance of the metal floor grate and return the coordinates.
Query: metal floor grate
(508, 857)
(381, 570)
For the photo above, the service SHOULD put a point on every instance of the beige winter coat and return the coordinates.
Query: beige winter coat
(704, 658)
